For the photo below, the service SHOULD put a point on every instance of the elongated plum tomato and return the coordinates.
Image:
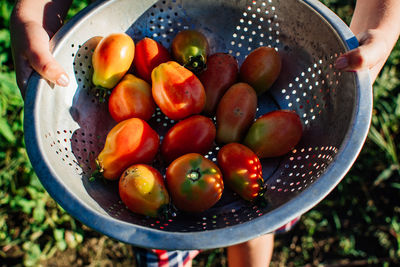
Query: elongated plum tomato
(194, 134)
(221, 73)
(195, 183)
(235, 113)
(129, 142)
(241, 170)
(177, 91)
(111, 59)
(274, 134)
(261, 68)
(131, 98)
(148, 55)
(190, 48)
(142, 190)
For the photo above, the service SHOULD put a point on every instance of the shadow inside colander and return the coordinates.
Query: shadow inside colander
(94, 122)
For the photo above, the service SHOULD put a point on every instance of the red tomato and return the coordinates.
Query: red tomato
(195, 134)
(177, 91)
(235, 113)
(195, 183)
(129, 142)
(261, 68)
(131, 98)
(148, 55)
(111, 59)
(221, 73)
(241, 170)
(142, 190)
(274, 134)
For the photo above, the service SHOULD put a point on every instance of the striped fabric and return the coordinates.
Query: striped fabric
(178, 258)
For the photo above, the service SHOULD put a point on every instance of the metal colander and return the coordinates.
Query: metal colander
(66, 127)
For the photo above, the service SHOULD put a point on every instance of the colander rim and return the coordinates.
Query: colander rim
(153, 238)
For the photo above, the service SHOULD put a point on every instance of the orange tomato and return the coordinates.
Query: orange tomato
(142, 190)
(131, 98)
(129, 142)
(177, 91)
(111, 59)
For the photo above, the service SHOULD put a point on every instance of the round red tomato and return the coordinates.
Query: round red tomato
(241, 170)
(194, 182)
(131, 98)
(195, 134)
(142, 190)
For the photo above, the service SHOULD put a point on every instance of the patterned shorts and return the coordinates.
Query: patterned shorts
(178, 258)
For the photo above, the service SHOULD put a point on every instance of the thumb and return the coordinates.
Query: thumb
(370, 53)
(41, 60)
(45, 64)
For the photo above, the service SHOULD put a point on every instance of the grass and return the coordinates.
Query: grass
(358, 224)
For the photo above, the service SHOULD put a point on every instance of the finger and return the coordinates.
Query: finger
(42, 61)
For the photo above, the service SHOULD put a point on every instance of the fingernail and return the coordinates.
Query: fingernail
(341, 63)
(63, 80)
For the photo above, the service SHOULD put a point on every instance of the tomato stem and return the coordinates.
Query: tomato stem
(98, 173)
(101, 93)
(194, 175)
(196, 63)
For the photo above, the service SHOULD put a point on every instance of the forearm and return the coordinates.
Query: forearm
(382, 15)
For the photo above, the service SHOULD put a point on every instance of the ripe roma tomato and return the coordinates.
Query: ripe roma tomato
(221, 73)
(142, 190)
(131, 98)
(261, 68)
(235, 113)
(190, 48)
(274, 134)
(177, 91)
(195, 183)
(148, 55)
(129, 142)
(195, 134)
(111, 59)
(241, 170)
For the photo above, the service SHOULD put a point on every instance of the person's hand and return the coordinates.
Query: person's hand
(30, 35)
(371, 54)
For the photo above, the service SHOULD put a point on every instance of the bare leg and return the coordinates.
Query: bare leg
(188, 264)
(254, 253)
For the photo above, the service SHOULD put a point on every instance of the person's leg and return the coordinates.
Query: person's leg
(253, 253)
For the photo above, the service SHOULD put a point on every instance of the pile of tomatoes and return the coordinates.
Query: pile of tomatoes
(190, 86)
